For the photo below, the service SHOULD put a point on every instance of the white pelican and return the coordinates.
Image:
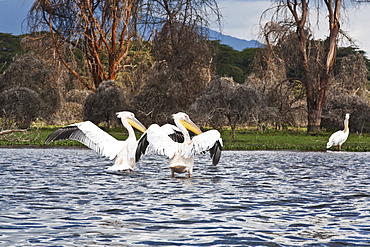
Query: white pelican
(339, 137)
(176, 143)
(104, 144)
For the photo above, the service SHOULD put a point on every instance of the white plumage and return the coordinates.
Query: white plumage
(104, 144)
(175, 143)
(339, 137)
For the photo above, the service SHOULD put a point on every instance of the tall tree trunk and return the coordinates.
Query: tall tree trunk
(316, 96)
(314, 108)
(316, 81)
(316, 93)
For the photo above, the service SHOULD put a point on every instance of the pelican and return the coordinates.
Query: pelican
(176, 143)
(339, 137)
(123, 152)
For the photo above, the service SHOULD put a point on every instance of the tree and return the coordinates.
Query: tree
(337, 105)
(228, 62)
(28, 90)
(101, 106)
(21, 105)
(225, 101)
(317, 59)
(180, 73)
(9, 47)
(103, 31)
(352, 73)
(182, 60)
(348, 93)
(276, 73)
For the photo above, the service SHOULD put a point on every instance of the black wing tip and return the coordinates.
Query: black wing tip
(141, 147)
(216, 152)
(61, 134)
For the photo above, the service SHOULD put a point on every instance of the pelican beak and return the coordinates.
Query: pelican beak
(136, 124)
(191, 126)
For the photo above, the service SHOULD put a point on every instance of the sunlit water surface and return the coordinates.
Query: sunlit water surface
(66, 197)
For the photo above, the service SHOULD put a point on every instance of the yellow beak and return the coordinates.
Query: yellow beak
(191, 126)
(136, 124)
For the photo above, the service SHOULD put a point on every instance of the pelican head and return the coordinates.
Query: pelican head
(130, 118)
(347, 115)
(184, 120)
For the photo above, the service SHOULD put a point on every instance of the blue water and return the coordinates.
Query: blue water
(66, 197)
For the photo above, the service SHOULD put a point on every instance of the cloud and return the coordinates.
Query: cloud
(241, 18)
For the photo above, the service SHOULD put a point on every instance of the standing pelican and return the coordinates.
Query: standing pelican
(176, 143)
(339, 137)
(104, 144)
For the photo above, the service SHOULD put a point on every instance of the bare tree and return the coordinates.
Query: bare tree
(181, 56)
(174, 13)
(277, 73)
(225, 101)
(348, 94)
(180, 73)
(352, 74)
(338, 104)
(101, 31)
(317, 59)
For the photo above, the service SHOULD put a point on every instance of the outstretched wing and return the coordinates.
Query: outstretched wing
(208, 141)
(156, 139)
(90, 135)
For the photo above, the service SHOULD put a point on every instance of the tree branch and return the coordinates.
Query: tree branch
(11, 131)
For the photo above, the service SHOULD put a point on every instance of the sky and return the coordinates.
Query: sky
(240, 20)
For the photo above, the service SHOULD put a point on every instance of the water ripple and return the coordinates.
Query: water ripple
(65, 196)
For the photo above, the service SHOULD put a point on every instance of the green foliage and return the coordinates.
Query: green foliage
(292, 139)
(10, 46)
(232, 63)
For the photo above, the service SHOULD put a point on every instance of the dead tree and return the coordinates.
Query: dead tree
(293, 16)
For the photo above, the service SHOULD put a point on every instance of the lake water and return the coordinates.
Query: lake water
(66, 197)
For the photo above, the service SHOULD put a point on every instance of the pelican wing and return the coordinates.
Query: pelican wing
(173, 132)
(208, 141)
(90, 135)
(156, 139)
(333, 140)
(337, 138)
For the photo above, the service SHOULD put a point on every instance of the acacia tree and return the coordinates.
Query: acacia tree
(317, 59)
(102, 31)
(181, 56)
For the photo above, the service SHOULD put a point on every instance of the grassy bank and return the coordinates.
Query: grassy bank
(246, 139)
(296, 139)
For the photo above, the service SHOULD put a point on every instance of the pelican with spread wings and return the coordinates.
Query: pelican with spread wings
(123, 152)
(175, 143)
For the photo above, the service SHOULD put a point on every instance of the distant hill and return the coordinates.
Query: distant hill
(235, 43)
